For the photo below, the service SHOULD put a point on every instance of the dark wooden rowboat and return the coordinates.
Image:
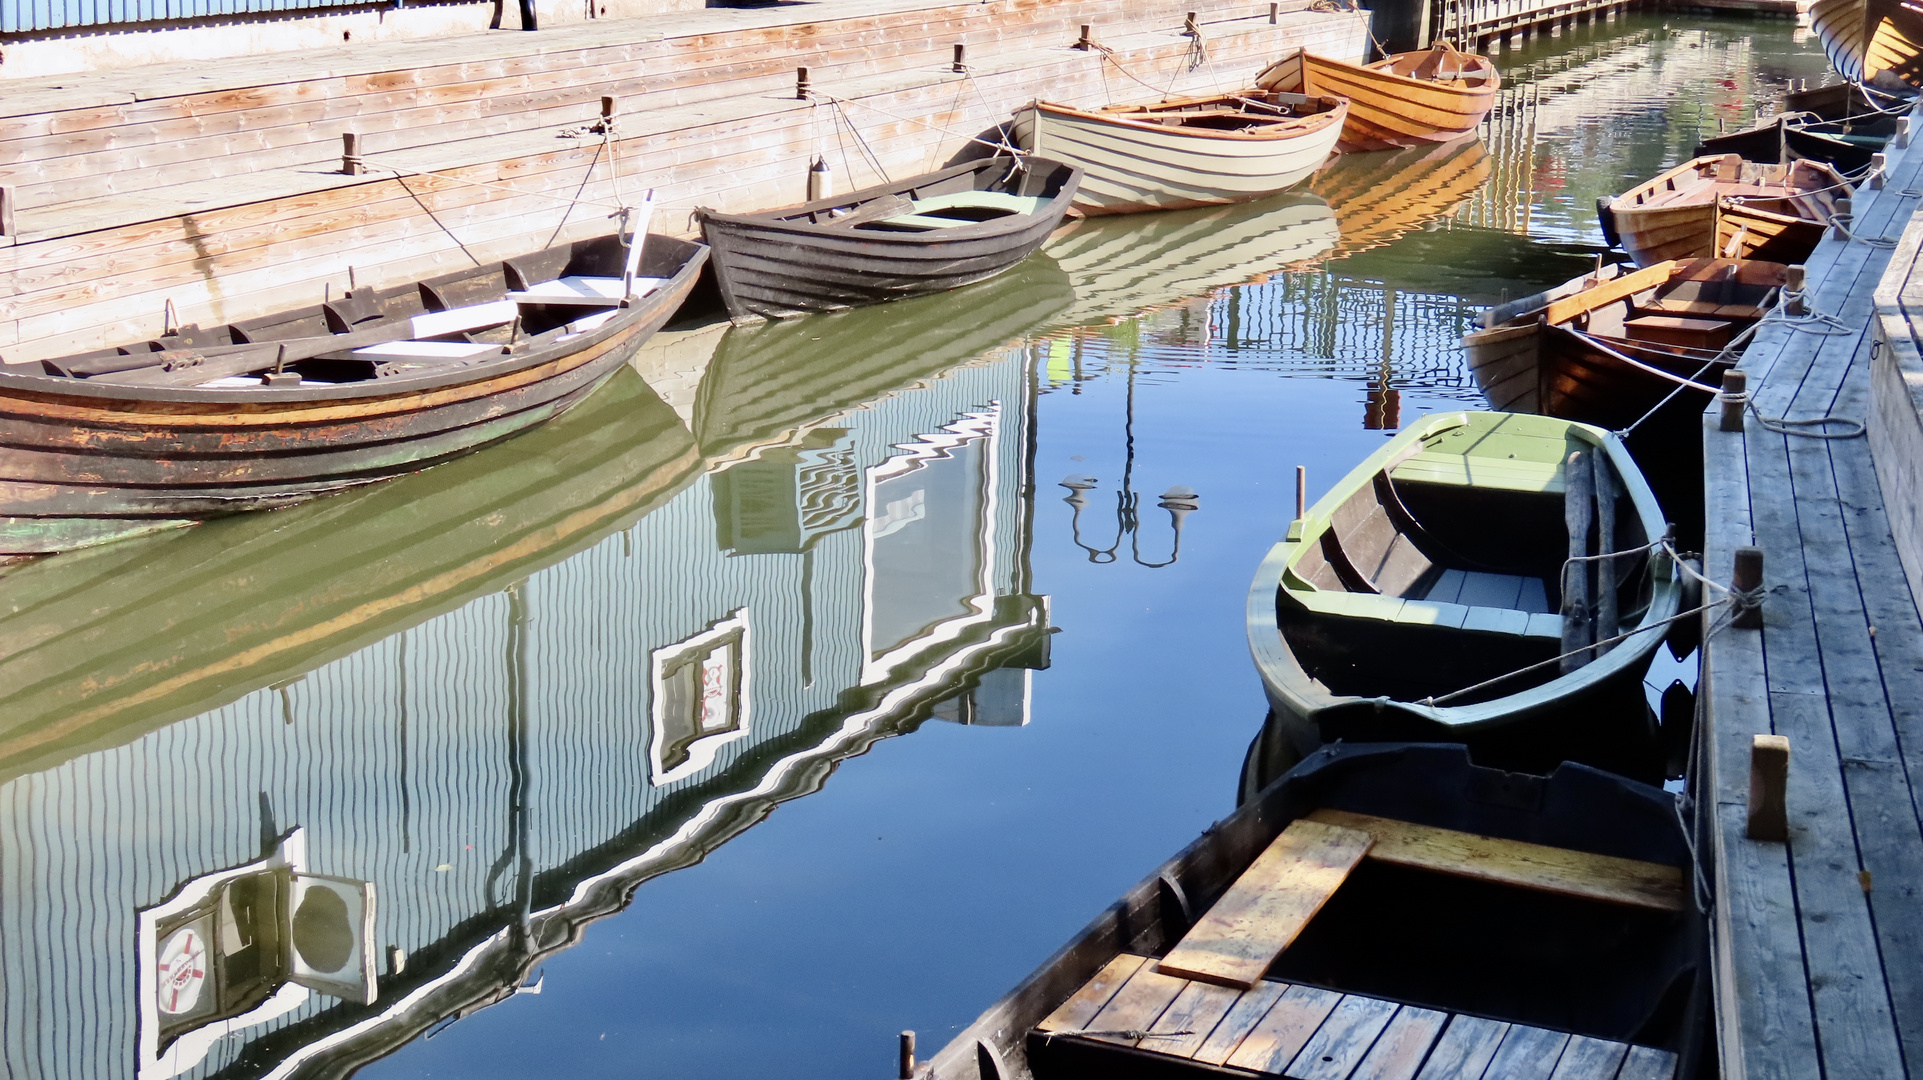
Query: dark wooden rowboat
(925, 234)
(1423, 597)
(381, 382)
(1411, 959)
(1791, 137)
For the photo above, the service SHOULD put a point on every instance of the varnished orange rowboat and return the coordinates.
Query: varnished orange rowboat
(272, 411)
(1726, 207)
(1436, 95)
(1186, 152)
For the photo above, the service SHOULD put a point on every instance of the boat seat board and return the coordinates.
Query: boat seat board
(1605, 878)
(427, 350)
(1462, 470)
(458, 320)
(585, 291)
(1546, 624)
(980, 200)
(1476, 588)
(1242, 934)
(1308, 1033)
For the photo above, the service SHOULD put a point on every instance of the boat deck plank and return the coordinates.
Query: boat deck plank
(1816, 939)
(1307, 1033)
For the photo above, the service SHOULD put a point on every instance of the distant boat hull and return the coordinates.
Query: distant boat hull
(1132, 161)
(1389, 104)
(805, 259)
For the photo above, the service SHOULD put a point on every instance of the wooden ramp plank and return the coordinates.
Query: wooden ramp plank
(1339, 1044)
(1464, 1050)
(1512, 862)
(1279, 1036)
(1136, 1006)
(1526, 1053)
(1081, 1006)
(1647, 1063)
(1248, 1010)
(1399, 1053)
(1266, 908)
(1590, 1059)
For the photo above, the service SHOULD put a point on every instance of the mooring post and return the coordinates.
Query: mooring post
(1794, 278)
(1768, 784)
(802, 87)
(7, 198)
(1191, 27)
(1275, 12)
(351, 154)
(1879, 167)
(1841, 218)
(1301, 492)
(1088, 39)
(1901, 140)
(1578, 506)
(961, 55)
(1734, 399)
(1746, 581)
(907, 1055)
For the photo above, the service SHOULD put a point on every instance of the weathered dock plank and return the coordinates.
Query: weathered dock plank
(1816, 972)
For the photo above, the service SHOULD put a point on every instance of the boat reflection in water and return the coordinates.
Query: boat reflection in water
(349, 771)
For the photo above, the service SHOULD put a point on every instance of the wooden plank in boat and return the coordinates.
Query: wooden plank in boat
(1275, 1041)
(1403, 1045)
(1480, 589)
(1428, 613)
(1236, 941)
(1612, 880)
(1136, 1006)
(1081, 1006)
(1248, 1011)
(1464, 1050)
(1458, 470)
(1608, 292)
(1589, 1059)
(1196, 1010)
(1335, 1049)
(1526, 1053)
(1488, 620)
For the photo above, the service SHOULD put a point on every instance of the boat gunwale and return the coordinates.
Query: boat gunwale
(1296, 126)
(780, 220)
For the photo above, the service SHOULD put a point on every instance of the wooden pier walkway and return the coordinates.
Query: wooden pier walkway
(1818, 941)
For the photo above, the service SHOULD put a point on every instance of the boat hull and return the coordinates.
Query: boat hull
(84, 463)
(1130, 166)
(781, 264)
(1386, 109)
(1710, 207)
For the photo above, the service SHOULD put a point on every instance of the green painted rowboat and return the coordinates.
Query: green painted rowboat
(1437, 566)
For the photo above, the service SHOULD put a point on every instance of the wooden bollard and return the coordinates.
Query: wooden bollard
(1879, 168)
(961, 57)
(1794, 279)
(1275, 12)
(1734, 399)
(1840, 220)
(1901, 139)
(1747, 578)
(802, 87)
(1768, 784)
(351, 164)
(7, 199)
(907, 1055)
(1088, 38)
(1191, 27)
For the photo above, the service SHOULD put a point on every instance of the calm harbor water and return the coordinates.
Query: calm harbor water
(781, 696)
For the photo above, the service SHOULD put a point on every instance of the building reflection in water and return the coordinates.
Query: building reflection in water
(350, 772)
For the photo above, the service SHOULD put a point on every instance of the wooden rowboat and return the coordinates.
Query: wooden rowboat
(1186, 152)
(1607, 347)
(1358, 918)
(1790, 137)
(1877, 42)
(925, 234)
(1727, 207)
(1419, 598)
(380, 382)
(1435, 95)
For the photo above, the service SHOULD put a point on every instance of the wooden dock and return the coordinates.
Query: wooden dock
(218, 192)
(1818, 940)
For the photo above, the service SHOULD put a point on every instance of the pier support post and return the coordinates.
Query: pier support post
(1746, 582)
(1734, 399)
(907, 1055)
(1768, 781)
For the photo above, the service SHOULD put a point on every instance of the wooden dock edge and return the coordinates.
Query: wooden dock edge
(1896, 400)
